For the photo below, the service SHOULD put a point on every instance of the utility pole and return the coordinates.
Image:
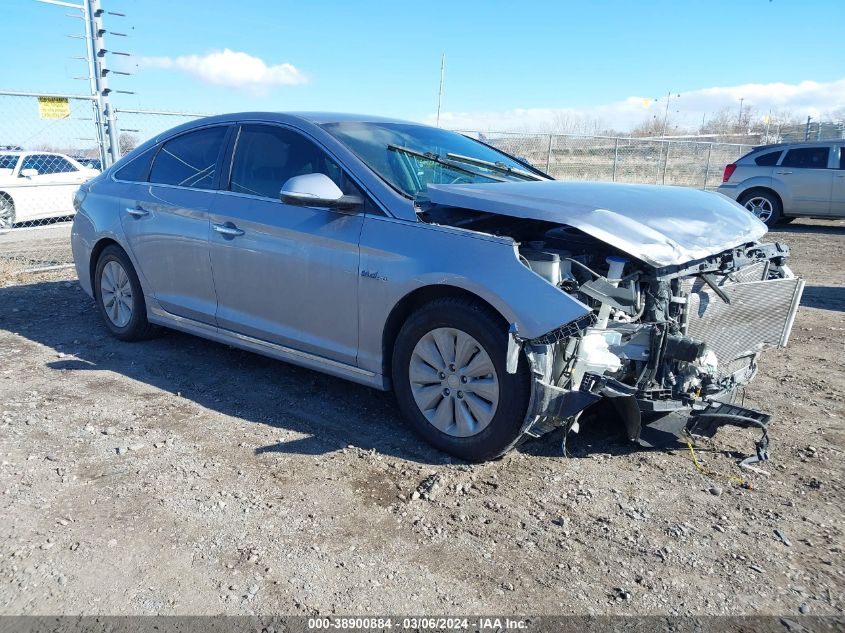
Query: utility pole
(440, 91)
(101, 71)
(807, 129)
(666, 112)
(98, 71)
(768, 120)
(89, 60)
(739, 121)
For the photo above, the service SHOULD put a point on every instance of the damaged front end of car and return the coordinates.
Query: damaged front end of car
(660, 342)
(670, 338)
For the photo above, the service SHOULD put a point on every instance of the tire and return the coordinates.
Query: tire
(478, 340)
(7, 211)
(765, 205)
(119, 296)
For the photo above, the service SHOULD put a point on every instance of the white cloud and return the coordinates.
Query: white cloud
(798, 100)
(230, 68)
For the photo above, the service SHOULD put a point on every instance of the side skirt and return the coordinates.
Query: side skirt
(265, 348)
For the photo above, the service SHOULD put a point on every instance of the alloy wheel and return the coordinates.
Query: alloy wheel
(7, 213)
(761, 207)
(116, 294)
(454, 382)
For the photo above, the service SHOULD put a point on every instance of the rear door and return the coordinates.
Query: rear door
(807, 179)
(166, 221)
(837, 200)
(285, 274)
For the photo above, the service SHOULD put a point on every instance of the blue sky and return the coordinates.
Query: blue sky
(509, 64)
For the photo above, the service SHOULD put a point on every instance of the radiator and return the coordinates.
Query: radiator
(760, 315)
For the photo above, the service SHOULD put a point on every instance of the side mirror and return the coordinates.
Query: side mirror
(29, 173)
(316, 190)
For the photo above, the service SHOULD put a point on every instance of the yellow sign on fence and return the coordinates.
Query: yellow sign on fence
(53, 108)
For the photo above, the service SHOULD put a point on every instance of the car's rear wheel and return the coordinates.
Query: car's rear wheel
(450, 380)
(119, 296)
(7, 211)
(763, 204)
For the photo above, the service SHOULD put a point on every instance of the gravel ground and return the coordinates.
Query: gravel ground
(179, 476)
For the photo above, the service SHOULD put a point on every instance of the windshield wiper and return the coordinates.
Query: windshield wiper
(442, 161)
(499, 167)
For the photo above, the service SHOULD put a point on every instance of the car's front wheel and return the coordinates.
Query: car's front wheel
(763, 204)
(7, 211)
(119, 296)
(451, 383)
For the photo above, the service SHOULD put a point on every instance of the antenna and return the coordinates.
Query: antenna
(440, 91)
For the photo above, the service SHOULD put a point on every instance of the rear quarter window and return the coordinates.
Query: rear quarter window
(768, 159)
(138, 167)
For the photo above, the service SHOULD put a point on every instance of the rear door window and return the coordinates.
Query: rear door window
(768, 159)
(806, 158)
(189, 160)
(842, 158)
(8, 161)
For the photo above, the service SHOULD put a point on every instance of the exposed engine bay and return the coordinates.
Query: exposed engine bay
(680, 338)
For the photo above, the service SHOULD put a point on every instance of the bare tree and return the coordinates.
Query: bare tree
(127, 143)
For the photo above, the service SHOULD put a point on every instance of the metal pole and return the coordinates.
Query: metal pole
(615, 157)
(95, 106)
(549, 154)
(440, 91)
(768, 121)
(807, 130)
(95, 13)
(666, 114)
(666, 162)
(707, 168)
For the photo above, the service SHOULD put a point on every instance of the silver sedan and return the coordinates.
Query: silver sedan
(497, 303)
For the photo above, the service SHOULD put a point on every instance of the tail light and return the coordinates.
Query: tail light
(729, 171)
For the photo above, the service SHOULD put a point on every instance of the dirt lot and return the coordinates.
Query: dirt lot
(179, 476)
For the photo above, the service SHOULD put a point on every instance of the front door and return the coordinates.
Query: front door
(166, 221)
(284, 274)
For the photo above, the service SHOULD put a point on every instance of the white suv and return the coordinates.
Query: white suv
(778, 183)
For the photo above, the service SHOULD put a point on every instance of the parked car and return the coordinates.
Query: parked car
(497, 303)
(38, 185)
(779, 183)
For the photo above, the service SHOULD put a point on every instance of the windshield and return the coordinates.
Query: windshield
(394, 151)
(8, 161)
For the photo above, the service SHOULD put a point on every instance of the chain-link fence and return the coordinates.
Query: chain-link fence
(666, 162)
(49, 145)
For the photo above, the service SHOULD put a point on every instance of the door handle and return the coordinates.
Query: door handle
(784, 172)
(137, 212)
(228, 229)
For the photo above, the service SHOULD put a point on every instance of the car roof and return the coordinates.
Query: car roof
(19, 152)
(774, 146)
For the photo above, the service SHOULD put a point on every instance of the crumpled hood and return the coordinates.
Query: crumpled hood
(662, 226)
